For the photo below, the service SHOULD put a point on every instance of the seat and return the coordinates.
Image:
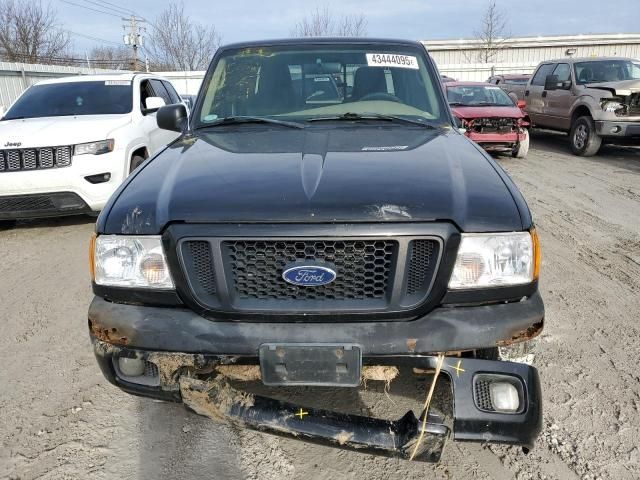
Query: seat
(586, 75)
(275, 93)
(368, 80)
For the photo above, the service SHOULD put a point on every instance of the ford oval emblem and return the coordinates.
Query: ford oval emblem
(308, 275)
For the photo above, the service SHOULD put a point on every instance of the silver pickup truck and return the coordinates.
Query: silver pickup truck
(596, 100)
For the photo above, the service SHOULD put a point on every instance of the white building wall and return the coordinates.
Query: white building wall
(458, 58)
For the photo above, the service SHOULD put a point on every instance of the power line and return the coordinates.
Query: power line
(118, 10)
(89, 8)
(117, 7)
(94, 38)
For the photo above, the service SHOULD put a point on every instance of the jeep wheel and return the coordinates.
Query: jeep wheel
(522, 148)
(135, 162)
(585, 142)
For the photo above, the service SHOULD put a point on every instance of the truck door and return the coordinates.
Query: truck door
(535, 94)
(557, 103)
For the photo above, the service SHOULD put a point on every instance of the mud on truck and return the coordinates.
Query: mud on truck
(284, 241)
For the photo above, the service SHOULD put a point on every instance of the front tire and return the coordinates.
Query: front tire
(522, 149)
(585, 142)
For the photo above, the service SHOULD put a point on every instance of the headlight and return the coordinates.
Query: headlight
(613, 106)
(495, 260)
(127, 261)
(94, 148)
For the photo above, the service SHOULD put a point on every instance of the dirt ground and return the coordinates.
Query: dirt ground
(60, 419)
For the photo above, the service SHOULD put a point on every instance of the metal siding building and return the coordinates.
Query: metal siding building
(459, 58)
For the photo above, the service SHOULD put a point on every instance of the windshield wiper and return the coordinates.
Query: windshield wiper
(243, 119)
(371, 116)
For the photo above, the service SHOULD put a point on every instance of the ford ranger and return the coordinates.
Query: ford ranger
(295, 243)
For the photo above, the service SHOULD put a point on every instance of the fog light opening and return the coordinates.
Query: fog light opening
(504, 397)
(131, 367)
(616, 129)
(99, 178)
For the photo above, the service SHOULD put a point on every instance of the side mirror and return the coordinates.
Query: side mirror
(152, 104)
(521, 104)
(172, 117)
(551, 82)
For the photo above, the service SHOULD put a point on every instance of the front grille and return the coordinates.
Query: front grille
(494, 125)
(372, 274)
(203, 264)
(420, 264)
(35, 158)
(363, 268)
(26, 203)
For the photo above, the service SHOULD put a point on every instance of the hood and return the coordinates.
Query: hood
(469, 113)
(623, 88)
(326, 175)
(52, 131)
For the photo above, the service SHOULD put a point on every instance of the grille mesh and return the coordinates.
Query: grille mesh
(420, 263)
(32, 158)
(26, 203)
(483, 395)
(203, 265)
(363, 267)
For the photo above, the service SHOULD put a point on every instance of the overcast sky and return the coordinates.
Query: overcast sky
(239, 20)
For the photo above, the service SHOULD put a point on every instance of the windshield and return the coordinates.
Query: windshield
(73, 98)
(305, 82)
(606, 71)
(478, 95)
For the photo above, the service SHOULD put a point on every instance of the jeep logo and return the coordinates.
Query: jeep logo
(13, 144)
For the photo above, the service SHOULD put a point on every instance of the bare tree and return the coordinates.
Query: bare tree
(110, 57)
(321, 23)
(493, 33)
(29, 33)
(176, 42)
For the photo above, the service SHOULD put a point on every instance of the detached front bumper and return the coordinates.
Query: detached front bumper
(184, 350)
(188, 378)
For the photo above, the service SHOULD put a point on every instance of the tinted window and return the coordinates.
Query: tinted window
(478, 96)
(73, 98)
(541, 75)
(305, 81)
(160, 91)
(175, 98)
(563, 71)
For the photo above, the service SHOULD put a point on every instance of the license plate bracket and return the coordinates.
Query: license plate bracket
(314, 364)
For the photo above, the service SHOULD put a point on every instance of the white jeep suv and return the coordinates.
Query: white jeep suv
(67, 144)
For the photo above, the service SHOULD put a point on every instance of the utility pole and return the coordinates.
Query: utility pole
(133, 37)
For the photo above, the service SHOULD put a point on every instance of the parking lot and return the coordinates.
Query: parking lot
(61, 419)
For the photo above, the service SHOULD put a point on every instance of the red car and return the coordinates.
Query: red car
(490, 117)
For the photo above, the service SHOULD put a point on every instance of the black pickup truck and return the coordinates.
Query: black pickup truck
(292, 241)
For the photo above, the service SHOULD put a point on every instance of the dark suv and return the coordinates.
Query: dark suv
(295, 243)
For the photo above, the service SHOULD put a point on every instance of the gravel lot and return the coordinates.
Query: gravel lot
(60, 419)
